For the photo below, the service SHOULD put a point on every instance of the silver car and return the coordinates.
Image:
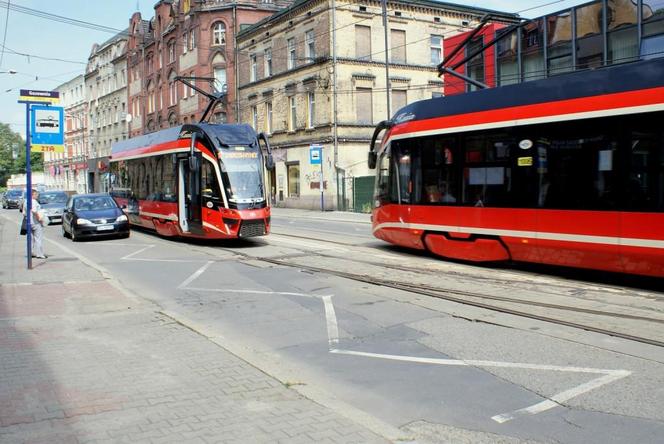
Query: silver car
(53, 203)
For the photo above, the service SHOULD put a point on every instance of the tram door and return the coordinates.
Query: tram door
(189, 197)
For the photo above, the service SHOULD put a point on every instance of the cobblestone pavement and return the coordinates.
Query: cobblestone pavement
(82, 361)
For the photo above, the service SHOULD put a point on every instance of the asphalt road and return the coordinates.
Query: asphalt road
(420, 364)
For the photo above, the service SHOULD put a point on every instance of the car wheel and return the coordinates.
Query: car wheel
(73, 236)
(64, 232)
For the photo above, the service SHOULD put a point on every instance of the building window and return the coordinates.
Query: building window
(219, 117)
(436, 49)
(192, 91)
(220, 79)
(475, 66)
(291, 53)
(292, 115)
(185, 42)
(362, 42)
(589, 38)
(311, 109)
(652, 44)
(151, 98)
(268, 62)
(172, 90)
(268, 117)
(252, 63)
(363, 106)
(149, 63)
(398, 49)
(399, 99)
(219, 34)
(254, 117)
(171, 51)
(559, 39)
(293, 179)
(310, 48)
(192, 40)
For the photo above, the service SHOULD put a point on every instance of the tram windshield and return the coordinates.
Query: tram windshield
(243, 174)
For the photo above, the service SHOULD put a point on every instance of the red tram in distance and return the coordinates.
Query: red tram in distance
(197, 180)
(565, 171)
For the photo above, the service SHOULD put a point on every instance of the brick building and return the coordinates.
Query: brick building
(190, 39)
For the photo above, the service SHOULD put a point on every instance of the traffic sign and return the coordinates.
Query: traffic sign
(315, 154)
(46, 128)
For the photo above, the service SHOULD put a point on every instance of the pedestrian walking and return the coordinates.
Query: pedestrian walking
(37, 220)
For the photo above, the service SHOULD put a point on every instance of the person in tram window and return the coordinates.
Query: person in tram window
(445, 195)
(478, 200)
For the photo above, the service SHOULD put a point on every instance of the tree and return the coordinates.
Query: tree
(10, 142)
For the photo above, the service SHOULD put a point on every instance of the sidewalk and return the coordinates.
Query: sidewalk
(83, 361)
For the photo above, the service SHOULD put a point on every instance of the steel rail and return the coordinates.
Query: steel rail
(449, 296)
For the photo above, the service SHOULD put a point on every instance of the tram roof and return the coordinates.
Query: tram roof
(593, 82)
(224, 133)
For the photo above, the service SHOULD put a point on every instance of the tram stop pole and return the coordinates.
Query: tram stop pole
(50, 138)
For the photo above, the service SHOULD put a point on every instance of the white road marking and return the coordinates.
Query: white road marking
(608, 375)
(128, 257)
(331, 321)
(555, 400)
(195, 276)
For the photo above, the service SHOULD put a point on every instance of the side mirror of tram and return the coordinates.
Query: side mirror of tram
(193, 163)
(269, 162)
(373, 159)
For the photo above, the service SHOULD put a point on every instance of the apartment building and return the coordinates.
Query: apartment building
(315, 78)
(68, 170)
(188, 39)
(106, 97)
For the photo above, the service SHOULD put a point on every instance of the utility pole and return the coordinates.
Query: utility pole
(387, 59)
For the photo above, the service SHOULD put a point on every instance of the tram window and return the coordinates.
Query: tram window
(404, 164)
(438, 183)
(209, 183)
(487, 176)
(645, 181)
(168, 180)
(579, 169)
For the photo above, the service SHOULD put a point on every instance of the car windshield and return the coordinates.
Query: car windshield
(50, 198)
(94, 203)
(13, 193)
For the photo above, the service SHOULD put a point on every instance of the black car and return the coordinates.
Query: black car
(12, 199)
(53, 203)
(92, 215)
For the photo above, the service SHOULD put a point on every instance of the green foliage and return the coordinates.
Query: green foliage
(11, 142)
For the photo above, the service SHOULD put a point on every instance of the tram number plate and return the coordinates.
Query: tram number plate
(104, 227)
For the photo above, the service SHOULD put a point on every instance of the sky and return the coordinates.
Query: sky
(40, 37)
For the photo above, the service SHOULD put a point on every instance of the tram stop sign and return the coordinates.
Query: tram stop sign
(46, 124)
(315, 154)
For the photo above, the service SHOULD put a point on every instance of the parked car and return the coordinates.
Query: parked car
(53, 203)
(93, 215)
(12, 199)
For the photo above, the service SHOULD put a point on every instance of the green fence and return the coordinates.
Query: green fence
(363, 193)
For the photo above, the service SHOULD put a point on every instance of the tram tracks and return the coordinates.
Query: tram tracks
(586, 318)
(480, 300)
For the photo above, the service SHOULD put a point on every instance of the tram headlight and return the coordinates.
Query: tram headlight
(81, 221)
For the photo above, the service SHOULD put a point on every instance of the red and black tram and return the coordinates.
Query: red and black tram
(566, 171)
(197, 180)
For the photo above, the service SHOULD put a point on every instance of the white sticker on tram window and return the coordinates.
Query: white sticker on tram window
(526, 144)
(209, 204)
